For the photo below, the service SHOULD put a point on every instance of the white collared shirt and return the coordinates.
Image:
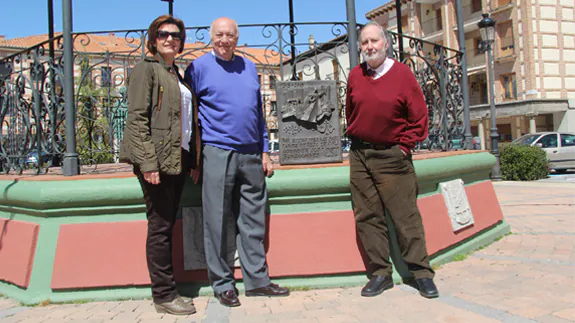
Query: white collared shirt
(382, 69)
(218, 56)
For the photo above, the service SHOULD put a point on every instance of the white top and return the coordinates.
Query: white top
(186, 116)
(382, 69)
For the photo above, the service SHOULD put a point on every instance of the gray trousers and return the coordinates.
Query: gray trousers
(234, 189)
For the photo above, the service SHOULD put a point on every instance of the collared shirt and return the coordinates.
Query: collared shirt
(223, 59)
(381, 69)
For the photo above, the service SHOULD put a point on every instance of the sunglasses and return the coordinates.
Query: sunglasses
(162, 34)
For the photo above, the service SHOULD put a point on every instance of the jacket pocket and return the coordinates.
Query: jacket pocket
(162, 146)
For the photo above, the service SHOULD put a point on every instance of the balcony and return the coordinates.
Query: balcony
(474, 59)
(503, 3)
(504, 47)
(472, 11)
(478, 89)
(431, 26)
(506, 51)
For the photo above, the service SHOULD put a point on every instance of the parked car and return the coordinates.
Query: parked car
(476, 142)
(31, 160)
(559, 146)
(274, 146)
(345, 145)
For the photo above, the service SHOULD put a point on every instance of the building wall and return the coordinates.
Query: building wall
(534, 52)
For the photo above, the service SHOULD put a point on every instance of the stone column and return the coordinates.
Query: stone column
(481, 131)
(532, 123)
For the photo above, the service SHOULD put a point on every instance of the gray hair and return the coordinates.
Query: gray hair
(213, 23)
(382, 30)
(384, 34)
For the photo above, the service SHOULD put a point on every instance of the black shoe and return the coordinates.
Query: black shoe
(228, 298)
(377, 285)
(427, 288)
(271, 290)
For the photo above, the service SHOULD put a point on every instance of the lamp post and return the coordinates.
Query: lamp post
(170, 6)
(487, 30)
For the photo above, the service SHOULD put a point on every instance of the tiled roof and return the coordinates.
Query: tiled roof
(130, 44)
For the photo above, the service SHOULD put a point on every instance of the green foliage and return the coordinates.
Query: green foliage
(523, 163)
(460, 257)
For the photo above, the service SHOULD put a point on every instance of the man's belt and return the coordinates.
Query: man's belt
(360, 144)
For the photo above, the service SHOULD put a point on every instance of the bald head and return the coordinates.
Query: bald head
(226, 23)
(224, 32)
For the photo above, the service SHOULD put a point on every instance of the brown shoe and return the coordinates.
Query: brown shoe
(176, 307)
(186, 299)
(271, 290)
(228, 298)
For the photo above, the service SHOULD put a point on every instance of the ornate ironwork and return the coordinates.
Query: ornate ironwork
(32, 109)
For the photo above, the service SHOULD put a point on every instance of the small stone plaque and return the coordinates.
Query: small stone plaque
(309, 130)
(193, 234)
(457, 204)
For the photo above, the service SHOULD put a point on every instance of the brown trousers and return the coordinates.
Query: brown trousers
(380, 180)
(162, 204)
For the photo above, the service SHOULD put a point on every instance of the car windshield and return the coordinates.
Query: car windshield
(526, 140)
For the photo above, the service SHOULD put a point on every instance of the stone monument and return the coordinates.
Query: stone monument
(309, 130)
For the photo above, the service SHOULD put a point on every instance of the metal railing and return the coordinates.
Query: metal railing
(32, 101)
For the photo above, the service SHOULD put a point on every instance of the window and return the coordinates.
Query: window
(475, 5)
(548, 141)
(260, 79)
(274, 108)
(404, 26)
(106, 74)
(272, 82)
(335, 65)
(439, 22)
(478, 45)
(567, 140)
(505, 33)
(509, 89)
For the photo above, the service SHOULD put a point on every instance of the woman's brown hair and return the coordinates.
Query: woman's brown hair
(153, 32)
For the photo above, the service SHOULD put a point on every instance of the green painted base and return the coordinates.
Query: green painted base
(296, 283)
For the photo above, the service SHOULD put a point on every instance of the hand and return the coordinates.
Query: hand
(152, 177)
(195, 175)
(267, 165)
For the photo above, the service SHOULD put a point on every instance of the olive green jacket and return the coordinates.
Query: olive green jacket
(153, 132)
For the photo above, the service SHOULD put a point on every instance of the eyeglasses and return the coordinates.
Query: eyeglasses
(162, 35)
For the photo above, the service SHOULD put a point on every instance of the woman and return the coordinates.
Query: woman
(161, 141)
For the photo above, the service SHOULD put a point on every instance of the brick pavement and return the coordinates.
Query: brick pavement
(528, 276)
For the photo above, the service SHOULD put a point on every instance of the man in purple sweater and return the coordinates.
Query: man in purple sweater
(235, 163)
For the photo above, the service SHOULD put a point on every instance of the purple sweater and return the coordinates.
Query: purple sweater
(230, 103)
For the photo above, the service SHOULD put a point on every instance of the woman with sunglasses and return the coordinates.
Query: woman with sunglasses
(162, 142)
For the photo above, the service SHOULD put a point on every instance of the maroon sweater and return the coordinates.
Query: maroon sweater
(389, 110)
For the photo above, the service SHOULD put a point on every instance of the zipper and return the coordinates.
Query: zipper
(181, 130)
(160, 97)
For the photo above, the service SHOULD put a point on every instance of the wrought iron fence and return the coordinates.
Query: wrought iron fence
(32, 109)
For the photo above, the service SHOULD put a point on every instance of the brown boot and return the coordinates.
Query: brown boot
(176, 307)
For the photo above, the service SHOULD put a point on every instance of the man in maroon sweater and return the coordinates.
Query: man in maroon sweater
(386, 115)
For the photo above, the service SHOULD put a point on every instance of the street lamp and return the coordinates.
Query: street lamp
(487, 30)
(170, 6)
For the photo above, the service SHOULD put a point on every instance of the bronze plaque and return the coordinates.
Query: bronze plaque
(309, 130)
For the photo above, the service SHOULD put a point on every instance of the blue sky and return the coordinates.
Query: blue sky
(29, 17)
